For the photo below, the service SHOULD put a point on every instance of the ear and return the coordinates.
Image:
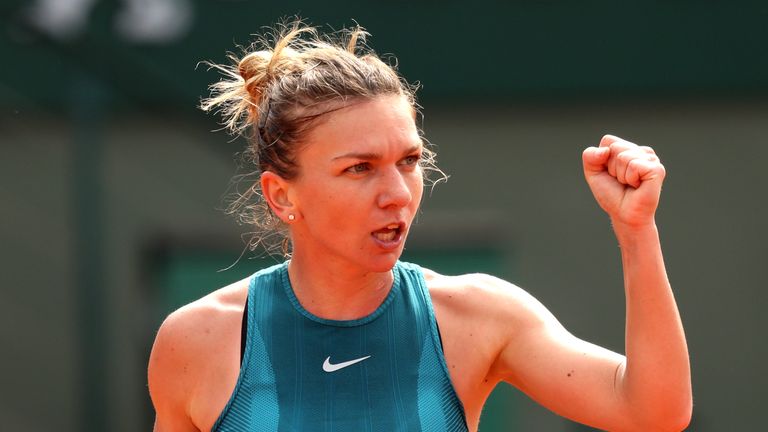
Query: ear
(276, 192)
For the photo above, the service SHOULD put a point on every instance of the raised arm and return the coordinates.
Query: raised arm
(650, 387)
(626, 180)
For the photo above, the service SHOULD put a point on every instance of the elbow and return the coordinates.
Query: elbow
(672, 417)
(684, 416)
(680, 412)
(666, 405)
(678, 421)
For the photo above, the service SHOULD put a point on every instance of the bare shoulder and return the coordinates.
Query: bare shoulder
(191, 326)
(475, 304)
(198, 341)
(477, 295)
(479, 316)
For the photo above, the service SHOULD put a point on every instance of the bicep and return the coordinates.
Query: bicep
(569, 376)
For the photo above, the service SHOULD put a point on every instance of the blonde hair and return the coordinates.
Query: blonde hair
(277, 90)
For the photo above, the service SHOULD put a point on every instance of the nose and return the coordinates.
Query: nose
(395, 191)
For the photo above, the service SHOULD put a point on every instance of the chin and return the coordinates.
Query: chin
(383, 263)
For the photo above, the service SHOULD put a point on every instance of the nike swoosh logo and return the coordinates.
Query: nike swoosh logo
(329, 367)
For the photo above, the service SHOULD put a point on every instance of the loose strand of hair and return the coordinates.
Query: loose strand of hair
(357, 38)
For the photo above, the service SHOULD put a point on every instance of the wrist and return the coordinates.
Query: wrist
(634, 231)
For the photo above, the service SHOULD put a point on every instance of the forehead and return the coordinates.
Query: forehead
(385, 123)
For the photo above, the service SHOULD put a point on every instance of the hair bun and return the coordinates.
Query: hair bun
(254, 69)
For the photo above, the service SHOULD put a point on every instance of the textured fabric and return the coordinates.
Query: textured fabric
(398, 382)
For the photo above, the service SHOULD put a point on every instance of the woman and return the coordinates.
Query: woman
(343, 336)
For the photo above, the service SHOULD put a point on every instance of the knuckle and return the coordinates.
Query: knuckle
(626, 156)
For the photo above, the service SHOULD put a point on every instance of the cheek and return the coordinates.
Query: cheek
(329, 202)
(417, 187)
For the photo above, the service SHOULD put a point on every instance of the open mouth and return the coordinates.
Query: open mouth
(390, 233)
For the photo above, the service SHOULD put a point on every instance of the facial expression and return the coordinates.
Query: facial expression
(359, 185)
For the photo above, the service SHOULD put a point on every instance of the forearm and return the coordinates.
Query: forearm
(656, 380)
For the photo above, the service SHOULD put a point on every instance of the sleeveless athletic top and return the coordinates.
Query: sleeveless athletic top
(382, 372)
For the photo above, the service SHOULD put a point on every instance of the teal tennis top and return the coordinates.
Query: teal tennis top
(383, 372)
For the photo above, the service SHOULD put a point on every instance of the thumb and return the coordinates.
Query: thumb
(595, 160)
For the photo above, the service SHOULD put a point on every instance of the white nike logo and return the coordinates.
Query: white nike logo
(328, 367)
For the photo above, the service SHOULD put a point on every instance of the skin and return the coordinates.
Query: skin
(358, 173)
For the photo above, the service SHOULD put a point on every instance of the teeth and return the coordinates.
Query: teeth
(393, 226)
(387, 236)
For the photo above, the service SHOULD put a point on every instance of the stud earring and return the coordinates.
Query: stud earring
(291, 217)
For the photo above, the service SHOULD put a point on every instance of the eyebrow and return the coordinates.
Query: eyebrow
(373, 156)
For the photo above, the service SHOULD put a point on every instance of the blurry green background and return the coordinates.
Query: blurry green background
(111, 180)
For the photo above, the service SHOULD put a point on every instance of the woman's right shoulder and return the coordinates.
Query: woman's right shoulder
(199, 340)
(189, 325)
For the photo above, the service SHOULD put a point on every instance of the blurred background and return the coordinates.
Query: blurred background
(111, 180)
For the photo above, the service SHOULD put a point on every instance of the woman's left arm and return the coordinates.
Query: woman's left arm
(648, 389)
(655, 379)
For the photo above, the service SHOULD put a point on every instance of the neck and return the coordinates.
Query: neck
(335, 290)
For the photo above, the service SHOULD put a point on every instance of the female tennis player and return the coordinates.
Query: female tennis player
(343, 336)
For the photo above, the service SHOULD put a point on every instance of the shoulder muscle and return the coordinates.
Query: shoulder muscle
(183, 357)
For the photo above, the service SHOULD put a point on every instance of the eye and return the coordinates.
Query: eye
(411, 160)
(359, 168)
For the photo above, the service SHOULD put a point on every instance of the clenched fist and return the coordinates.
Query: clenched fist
(625, 179)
